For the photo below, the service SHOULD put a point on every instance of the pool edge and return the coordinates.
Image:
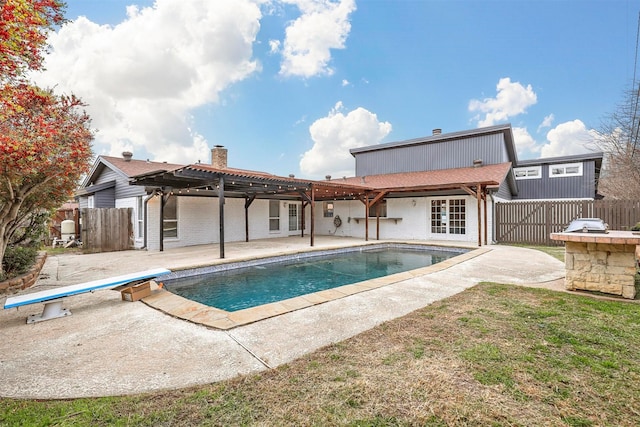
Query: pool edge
(195, 312)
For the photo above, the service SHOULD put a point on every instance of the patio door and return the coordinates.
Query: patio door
(295, 217)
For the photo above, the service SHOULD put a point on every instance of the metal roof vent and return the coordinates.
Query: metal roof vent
(587, 225)
(127, 155)
(327, 177)
(477, 163)
(437, 131)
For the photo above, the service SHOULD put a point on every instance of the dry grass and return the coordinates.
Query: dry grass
(492, 355)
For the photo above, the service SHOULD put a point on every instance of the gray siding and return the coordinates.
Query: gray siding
(104, 199)
(504, 192)
(491, 149)
(123, 190)
(573, 187)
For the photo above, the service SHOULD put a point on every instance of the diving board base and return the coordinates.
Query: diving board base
(52, 310)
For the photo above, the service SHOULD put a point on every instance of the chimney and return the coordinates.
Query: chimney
(127, 155)
(219, 157)
(437, 131)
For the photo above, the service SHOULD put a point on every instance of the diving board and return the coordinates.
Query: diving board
(53, 297)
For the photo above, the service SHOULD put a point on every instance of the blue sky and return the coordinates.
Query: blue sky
(290, 86)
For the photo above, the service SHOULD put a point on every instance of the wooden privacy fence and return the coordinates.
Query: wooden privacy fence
(106, 229)
(532, 222)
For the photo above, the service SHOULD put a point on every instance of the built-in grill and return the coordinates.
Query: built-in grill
(587, 225)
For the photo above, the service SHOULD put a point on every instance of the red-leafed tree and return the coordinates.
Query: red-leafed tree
(23, 33)
(45, 139)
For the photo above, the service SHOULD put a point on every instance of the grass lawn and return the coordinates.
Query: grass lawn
(492, 355)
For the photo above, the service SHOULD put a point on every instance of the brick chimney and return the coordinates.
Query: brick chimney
(219, 157)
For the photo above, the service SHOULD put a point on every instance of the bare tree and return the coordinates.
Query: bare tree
(619, 139)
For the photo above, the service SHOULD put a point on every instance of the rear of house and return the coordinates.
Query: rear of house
(442, 187)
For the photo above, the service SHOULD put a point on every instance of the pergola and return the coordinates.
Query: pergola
(201, 180)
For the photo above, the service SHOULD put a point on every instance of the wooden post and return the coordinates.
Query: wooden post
(485, 196)
(313, 218)
(378, 221)
(366, 217)
(479, 197)
(221, 208)
(304, 205)
(163, 200)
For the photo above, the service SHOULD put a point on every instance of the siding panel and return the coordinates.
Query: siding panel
(574, 187)
(433, 156)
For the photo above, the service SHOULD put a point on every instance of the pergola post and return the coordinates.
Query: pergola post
(479, 198)
(366, 217)
(313, 218)
(247, 202)
(162, 202)
(221, 209)
(484, 198)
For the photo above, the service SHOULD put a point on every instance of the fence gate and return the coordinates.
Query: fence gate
(106, 229)
(533, 222)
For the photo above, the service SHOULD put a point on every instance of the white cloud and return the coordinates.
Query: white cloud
(345, 82)
(512, 99)
(334, 135)
(322, 26)
(546, 122)
(568, 138)
(142, 77)
(526, 146)
(274, 46)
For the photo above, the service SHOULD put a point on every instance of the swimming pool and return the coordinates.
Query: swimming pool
(240, 286)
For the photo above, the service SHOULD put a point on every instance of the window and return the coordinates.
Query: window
(274, 215)
(140, 216)
(438, 216)
(295, 217)
(451, 213)
(327, 209)
(564, 170)
(382, 205)
(90, 201)
(531, 172)
(457, 216)
(170, 218)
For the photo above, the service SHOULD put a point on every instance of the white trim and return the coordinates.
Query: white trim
(565, 170)
(530, 172)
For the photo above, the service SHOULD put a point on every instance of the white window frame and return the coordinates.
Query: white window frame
(531, 172)
(448, 216)
(327, 209)
(91, 201)
(274, 220)
(563, 167)
(140, 217)
(167, 223)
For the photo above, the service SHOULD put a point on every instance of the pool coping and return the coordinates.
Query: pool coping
(195, 312)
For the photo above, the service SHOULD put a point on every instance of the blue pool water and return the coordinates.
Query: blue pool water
(241, 288)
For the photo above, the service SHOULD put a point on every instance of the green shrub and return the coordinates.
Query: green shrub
(17, 260)
(636, 227)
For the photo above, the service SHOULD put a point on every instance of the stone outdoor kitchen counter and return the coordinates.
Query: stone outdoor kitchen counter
(603, 262)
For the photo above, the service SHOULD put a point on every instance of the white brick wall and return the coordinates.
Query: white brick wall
(198, 221)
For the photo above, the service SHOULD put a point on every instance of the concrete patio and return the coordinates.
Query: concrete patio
(112, 347)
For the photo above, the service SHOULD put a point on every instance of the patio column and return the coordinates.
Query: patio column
(247, 202)
(221, 208)
(163, 199)
(479, 198)
(313, 217)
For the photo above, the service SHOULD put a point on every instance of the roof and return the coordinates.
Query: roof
(504, 129)
(126, 169)
(489, 175)
(596, 156)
